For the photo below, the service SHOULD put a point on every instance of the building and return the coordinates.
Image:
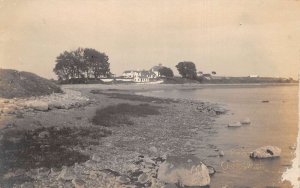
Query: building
(128, 74)
(143, 75)
(141, 79)
(155, 70)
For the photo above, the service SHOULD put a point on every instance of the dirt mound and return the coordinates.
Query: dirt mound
(24, 84)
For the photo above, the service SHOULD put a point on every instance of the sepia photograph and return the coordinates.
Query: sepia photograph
(149, 93)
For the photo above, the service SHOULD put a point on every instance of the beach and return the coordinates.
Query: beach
(165, 124)
(178, 128)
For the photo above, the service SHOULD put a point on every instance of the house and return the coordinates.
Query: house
(128, 74)
(141, 79)
(155, 71)
(143, 75)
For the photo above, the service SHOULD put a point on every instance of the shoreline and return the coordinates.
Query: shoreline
(128, 141)
(198, 130)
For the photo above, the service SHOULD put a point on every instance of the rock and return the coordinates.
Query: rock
(235, 124)
(27, 185)
(211, 170)
(44, 134)
(78, 183)
(66, 174)
(37, 105)
(122, 179)
(293, 147)
(266, 152)
(219, 110)
(221, 153)
(153, 149)
(265, 101)
(170, 185)
(96, 158)
(143, 178)
(42, 173)
(186, 170)
(59, 105)
(245, 121)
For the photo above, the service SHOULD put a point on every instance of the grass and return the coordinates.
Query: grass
(133, 97)
(20, 149)
(119, 114)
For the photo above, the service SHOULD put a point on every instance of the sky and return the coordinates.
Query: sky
(231, 37)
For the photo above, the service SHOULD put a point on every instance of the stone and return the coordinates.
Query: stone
(219, 110)
(96, 158)
(211, 170)
(235, 124)
(170, 185)
(221, 153)
(37, 105)
(266, 152)
(143, 178)
(153, 149)
(245, 121)
(59, 105)
(44, 134)
(123, 179)
(78, 183)
(186, 170)
(66, 174)
(27, 185)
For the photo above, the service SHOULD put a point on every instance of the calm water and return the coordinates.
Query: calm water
(273, 123)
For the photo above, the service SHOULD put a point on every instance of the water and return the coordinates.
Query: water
(274, 123)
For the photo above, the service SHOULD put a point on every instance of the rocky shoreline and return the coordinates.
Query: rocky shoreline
(121, 156)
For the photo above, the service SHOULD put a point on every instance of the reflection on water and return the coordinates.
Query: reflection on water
(273, 123)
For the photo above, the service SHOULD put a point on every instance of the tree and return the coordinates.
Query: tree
(187, 69)
(81, 64)
(166, 72)
(97, 63)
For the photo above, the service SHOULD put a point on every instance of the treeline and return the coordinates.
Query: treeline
(81, 65)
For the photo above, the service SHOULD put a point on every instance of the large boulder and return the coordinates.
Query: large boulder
(185, 170)
(266, 152)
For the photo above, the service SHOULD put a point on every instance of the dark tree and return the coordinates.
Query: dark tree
(81, 64)
(97, 63)
(166, 72)
(187, 69)
(63, 68)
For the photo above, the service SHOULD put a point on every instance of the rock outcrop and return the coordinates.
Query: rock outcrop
(185, 170)
(266, 152)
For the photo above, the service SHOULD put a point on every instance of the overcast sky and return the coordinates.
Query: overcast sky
(231, 37)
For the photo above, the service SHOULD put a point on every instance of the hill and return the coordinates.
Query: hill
(24, 84)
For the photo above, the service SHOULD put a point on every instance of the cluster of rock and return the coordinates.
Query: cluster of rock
(211, 109)
(69, 99)
(144, 171)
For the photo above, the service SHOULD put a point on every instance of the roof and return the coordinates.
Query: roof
(156, 68)
(127, 71)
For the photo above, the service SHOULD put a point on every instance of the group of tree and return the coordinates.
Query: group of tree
(166, 72)
(81, 64)
(187, 69)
